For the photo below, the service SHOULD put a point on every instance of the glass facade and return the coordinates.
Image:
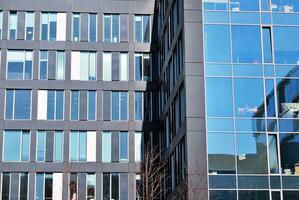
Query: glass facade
(251, 98)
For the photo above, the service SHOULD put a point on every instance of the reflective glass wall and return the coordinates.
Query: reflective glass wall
(252, 98)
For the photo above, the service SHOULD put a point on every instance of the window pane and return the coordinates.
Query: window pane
(270, 98)
(58, 146)
(22, 104)
(12, 144)
(273, 154)
(138, 29)
(146, 67)
(115, 186)
(138, 147)
(138, 67)
(59, 105)
(244, 5)
(124, 105)
(13, 21)
(115, 28)
(289, 153)
(84, 65)
(246, 44)
(15, 64)
(74, 146)
(92, 66)
(267, 45)
(92, 27)
(73, 186)
(256, 195)
(76, 27)
(43, 65)
(75, 105)
(146, 28)
(123, 66)
(48, 186)
(215, 5)
(45, 27)
(25, 146)
(29, 26)
(9, 104)
(106, 147)
(123, 146)
(53, 26)
(5, 186)
(115, 105)
(223, 195)
(107, 28)
(106, 186)
(219, 90)
(285, 5)
(287, 90)
(253, 106)
(217, 49)
(90, 182)
(252, 153)
(286, 47)
(107, 63)
(91, 105)
(23, 186)
(41, 146)
(60, 66)
(28, 65)
(51, 105)
(39, 187)
(138, 106)
(82, 146)
(221, 151)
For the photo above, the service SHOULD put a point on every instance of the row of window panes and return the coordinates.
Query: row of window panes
(285, 6)
(251, 44)
(50, 105)
(51, 185)
(82, 146)
(84, 27)
(83, 65)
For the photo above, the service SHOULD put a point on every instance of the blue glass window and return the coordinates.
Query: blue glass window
(58, 148)
(146, 28)
(76, 27)
(41, 146)
(138, 106)
(115, 105)
(244, 5)
(19, 65)
(223, 194)
(18, 104)
(219, 90)
(13, 23)
(138, 67)
(55, 105)
(246, 44)
(107, 28)
(74, 105)
(16, 146)
(92, 27)
(29, 26)
(78, 146)
(91, 105)
(39, 187)
(43, 65)
(138, 28)
(215, 5)
(267, 45)
(287, 6)
(286, 46)
(119, 105)
(270, 98)
(123, 138)
(253, 106)
(217, 49)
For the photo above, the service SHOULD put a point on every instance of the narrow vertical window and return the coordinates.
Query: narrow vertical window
(76, 27)
(92, 27)
(1, 24)
(273, 154)
(48, 190)
(107, 66)
(123, 106)
(60, 63)
(18, 104)
(74, 149)
(114, 186)
(91, 105)
(74, 105)
(23, 186)
(123, 67)
(39, 186)
(115, 28)
(123, 138)
(41, 146)
(73, 186)
(267, 45)
(138, 67)
(106, 147)
(138, 106)
(146, 28)
(13, 21)
(52, 26)
(115, 105)
(138, 146)
(58, 146)
(5, 186)
(107, 28)
(29, 26)
(90, 186)
(43, 65)
(44, 26)
(138, 29)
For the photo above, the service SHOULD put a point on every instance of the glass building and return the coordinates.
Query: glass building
(213, 84)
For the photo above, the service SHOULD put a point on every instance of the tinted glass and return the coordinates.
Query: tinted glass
(75, 105)
(246, 44)
(91, 105)
(25, 151)
(5, 186)
(219, 90)
(12, 144)
(288, 153)
(267, 45)
(22, 104)
(59, 105)
(83, 146)
(92, 27)
(138, 28)
(115, 28)
(244, 5)
(285, 6)
(74, 146)
(76, 27)
(58, 149)
(256, 195)
(41, 146)
(223, 195)
(217, 49)
(123, 140)
(138, 106)
(107, 28)
(146, 28)
(115, 105)
(39, 186)
(9, 104)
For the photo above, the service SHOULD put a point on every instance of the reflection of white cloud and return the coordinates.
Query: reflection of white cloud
(247, 109)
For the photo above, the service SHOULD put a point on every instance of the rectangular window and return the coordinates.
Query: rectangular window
(119, 105)
(115, 147)
(49, 146)
(115, 66)
(15, 186)
(84, 27)
(138, 146)
(83, 66)
(267, 45)
(19, 65)
(50, 105)
(13, 23)
(139, 106)
(142, 67)
(115, 28)
(48, 186)
(142, 28)
(16, 146)
(73, 185)
(29, 26)
(51, 65)
(115, 186)
(79, 141)
(83, 105)
(90, 186)
(18, 104)
(50, 29)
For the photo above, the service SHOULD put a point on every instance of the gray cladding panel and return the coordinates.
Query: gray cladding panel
(49, 146)
(52, 65)
(106, 105)
(83, 105)
(123, 28)
(82, 185)
(115, 147)
(123, 186)
(21, 26)
(14, 191)
(84, 27)
(115, 66)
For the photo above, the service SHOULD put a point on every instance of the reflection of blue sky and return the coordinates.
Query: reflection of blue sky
(220, 143)
(246, 144)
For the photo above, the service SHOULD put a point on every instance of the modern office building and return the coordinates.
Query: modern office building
(85, 84)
